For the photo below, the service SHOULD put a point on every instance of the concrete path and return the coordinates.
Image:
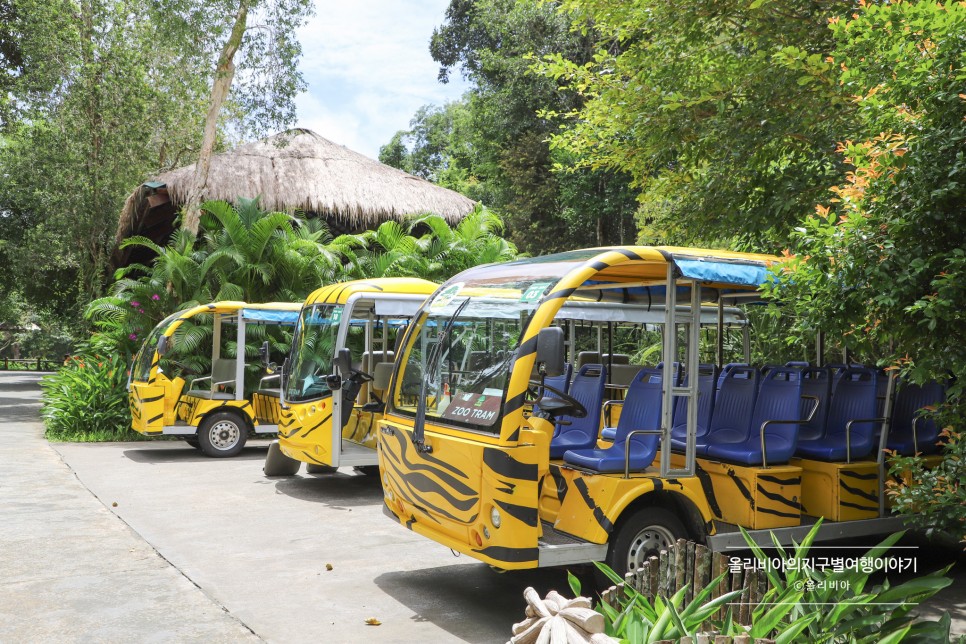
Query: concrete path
(200, 549)
(210, 549)
(69, 569)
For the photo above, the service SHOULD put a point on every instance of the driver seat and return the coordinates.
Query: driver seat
(642, 410)
(581, 433)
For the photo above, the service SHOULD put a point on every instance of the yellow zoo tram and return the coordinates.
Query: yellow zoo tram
(525, 446)
(334, 381)
(217, 412)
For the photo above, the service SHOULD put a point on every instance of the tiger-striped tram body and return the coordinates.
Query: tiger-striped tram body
(497, 441)
(217, 412)
(338, 368)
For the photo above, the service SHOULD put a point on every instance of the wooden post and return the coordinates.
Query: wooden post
(680, 565)
(654, 571)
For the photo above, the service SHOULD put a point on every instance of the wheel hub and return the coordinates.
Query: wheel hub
(647, 543)
(224, 435)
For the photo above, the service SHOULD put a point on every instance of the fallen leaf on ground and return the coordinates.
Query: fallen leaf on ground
(372, 621)
(328, 566)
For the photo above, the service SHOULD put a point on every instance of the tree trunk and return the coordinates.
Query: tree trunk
(224, 73)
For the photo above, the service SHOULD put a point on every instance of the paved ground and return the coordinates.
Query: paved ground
(200, 548)
(207, 549)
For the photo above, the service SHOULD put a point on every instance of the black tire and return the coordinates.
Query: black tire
(318, 468)
(222, 434)
(193, 441)
(367, 470)
(643, 534)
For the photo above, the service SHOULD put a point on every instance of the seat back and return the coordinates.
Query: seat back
(725, 370)
(707, 379)
(587, 388)
(642, 410)
(853, 398)
(223, 369)
(369, 361)
(779, 398)
(801, 364)
(910, 399)
(615, 358)
(587, 357)
(816, 382)
(734, 404)
(622, 375)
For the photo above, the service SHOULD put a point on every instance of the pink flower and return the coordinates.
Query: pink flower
(135, 304)
(133, 336)
(140, 310)
(155, 297)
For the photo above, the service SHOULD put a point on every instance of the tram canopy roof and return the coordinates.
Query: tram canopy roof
(628, 274)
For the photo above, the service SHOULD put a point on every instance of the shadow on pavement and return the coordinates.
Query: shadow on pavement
(182, 453)
(466, 601)
(20, 413)
(337, 489)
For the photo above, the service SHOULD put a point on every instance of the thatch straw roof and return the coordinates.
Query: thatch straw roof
(297, 170)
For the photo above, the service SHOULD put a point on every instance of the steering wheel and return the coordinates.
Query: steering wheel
(360, 376)
(565, 405)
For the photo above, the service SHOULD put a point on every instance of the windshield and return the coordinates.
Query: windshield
(145, 356)
(462, 349)
(312, 353)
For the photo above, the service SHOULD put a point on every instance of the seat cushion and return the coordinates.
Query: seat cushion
(207, 395)
(612, 458)
(748, 452)
(571, 440)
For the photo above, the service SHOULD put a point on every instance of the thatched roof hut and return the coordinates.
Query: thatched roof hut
(293, 170)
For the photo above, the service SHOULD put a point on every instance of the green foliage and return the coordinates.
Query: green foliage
(931, 495)
(802, 604)
(96, 96)
(87, 399)
(883, 265)
(709, 108)
(639, 620)
(492, 145)
(842, 606)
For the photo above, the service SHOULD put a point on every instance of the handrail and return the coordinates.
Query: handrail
(627, 451)
(811, 415)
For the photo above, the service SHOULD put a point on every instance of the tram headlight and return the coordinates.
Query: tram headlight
(495, 517)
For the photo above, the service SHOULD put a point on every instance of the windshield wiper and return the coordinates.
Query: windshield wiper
(419, 424)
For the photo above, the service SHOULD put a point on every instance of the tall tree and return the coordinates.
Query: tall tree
(268, 53)
(494, 142)
(721, 111)
(104, 94)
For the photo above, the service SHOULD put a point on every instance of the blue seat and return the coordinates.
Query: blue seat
(734, 405)
(561, 383)
(911, 433)
(725, 370)
(778, 399)
(817, 383)
(801, 364)
(642, 410)
(853, 399)
(581, 433)
(707, 382)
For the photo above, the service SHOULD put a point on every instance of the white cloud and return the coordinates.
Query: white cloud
(368, 69)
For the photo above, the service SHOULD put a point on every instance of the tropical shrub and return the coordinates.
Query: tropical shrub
(248, 254)
(802, 603)
(882, 263)
(87, 399)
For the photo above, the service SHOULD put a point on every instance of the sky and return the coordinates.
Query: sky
(368, 69)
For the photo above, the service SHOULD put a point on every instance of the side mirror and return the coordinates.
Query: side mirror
(343, 362)
(334, 382)
(162, 345)
(550, 351)
(263, 352)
